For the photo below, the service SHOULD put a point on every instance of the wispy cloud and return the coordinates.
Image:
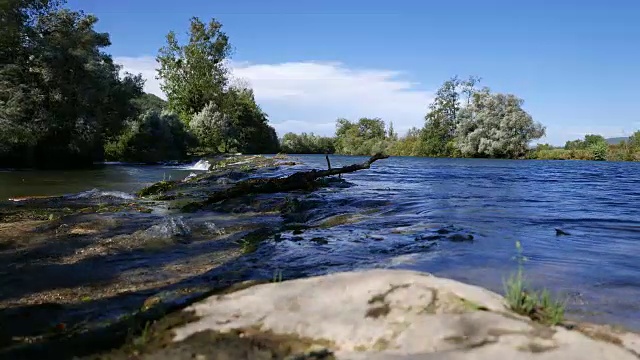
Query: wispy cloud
(310, 96)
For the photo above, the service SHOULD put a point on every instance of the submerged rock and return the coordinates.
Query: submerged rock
(391, 314)
(170, 227)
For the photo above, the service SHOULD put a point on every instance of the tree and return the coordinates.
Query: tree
(634, 141)
(194, 74)
(61, 95)
(393, 136)
(407, 145)
(365, 137)
(442, 119)
(254, 134)
(214, 130)
(307, 144)
(17, 35)
(574, 145)
(153, 137)
(592, 140)
(495, 125)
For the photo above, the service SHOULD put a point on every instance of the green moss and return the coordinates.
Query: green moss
(338, 220)
(157, 188)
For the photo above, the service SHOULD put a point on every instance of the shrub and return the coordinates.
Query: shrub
(539, 306)
(599, 151)
(153, 137)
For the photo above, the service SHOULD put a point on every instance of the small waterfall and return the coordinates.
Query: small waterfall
(202, 165)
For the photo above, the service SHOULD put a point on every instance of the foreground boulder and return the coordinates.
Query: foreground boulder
(387, 314)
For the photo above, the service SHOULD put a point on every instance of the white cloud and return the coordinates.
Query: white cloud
(310, 96)
(145, 65)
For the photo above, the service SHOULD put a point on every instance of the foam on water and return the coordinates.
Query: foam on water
(95, 193)
(202, 165)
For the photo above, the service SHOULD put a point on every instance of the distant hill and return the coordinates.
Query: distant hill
(149, 102)
(616, 140)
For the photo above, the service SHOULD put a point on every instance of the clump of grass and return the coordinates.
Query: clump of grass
(277, 276)
(539, 306)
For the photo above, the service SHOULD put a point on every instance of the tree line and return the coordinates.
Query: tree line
(65, 103)
(592, 147)
(463, 121)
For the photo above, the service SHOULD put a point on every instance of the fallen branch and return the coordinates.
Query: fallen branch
(303, 180)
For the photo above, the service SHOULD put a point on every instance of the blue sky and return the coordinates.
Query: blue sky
(575, 63)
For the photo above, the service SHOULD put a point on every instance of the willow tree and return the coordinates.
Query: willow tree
(194, 74)
(495, 125)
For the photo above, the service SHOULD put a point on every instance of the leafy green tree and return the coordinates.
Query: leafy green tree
(61, 96)
(591, 140)
(214, 130)
(254, 134)
(195, 74)
(407, 145)
(599, 150)
(442, 119)
(307, 144)
(392, 135)
(364, 137)
(153, 137)
(634, 141)
(495, 125)
(574, 145)
(544, 147)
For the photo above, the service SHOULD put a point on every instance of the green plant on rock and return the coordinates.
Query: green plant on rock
(539, 307)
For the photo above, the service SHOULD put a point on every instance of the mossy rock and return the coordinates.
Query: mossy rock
(157, 188)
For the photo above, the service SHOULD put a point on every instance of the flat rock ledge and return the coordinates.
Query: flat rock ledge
(395, 314)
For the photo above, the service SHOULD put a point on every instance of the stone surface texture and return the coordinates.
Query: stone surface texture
(397, 314)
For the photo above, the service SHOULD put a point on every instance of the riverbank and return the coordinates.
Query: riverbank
(115, 262)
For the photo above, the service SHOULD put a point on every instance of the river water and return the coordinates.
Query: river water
(596, 267)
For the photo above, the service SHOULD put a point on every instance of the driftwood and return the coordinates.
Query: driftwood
(303, 180)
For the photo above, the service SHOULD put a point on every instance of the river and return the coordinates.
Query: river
(595, 267)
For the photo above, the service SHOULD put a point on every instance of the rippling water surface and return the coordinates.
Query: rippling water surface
(597, 266)
(403, 200)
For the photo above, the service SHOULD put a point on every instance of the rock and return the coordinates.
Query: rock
(397, 314)
(429, 237)
(320, 240)
(460, 238)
